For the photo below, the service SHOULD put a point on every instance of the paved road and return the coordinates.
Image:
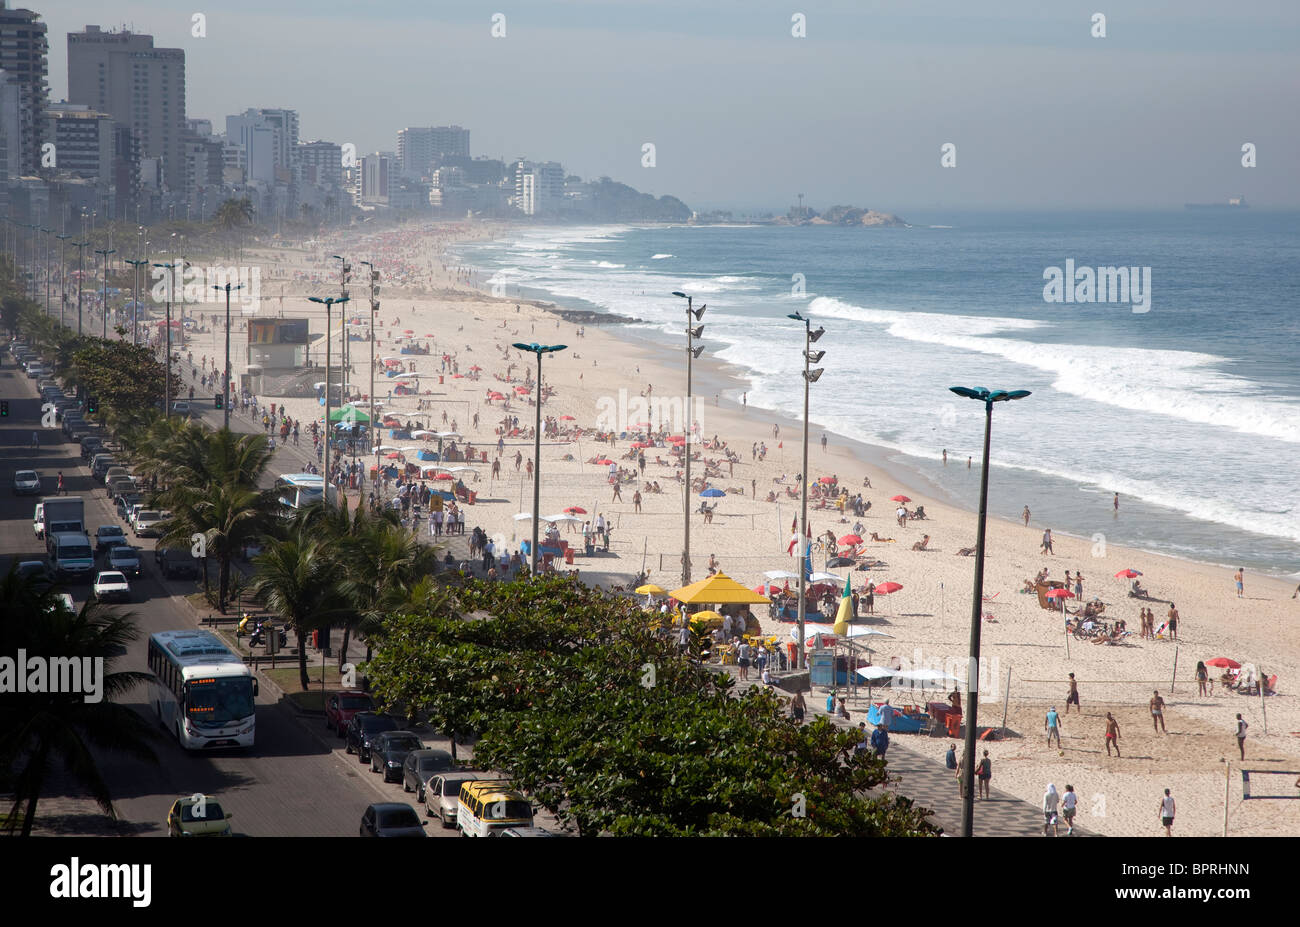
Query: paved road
(296, 781)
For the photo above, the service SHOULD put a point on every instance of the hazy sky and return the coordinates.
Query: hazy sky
(744, 115)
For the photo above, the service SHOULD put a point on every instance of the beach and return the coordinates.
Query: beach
(608, 376)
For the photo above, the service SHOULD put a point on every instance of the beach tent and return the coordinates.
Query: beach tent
(720, 589)
(352, 413)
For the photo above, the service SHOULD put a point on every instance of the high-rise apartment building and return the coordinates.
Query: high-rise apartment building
(122, 74)
(83, 141)
(539, 188)
(23, 48)
(269, 138)
(321, 163)
(420, 148)
(377, 175)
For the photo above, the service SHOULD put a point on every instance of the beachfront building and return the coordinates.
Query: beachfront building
(539, 188)
(83, 141)
(421, 149)
(375, 173)
(23, 49)
(122, 74)
(205, 175)
(11, 129)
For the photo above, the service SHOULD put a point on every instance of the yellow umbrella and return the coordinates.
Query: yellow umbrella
(718, 589)
(710, 620)
(649, 589)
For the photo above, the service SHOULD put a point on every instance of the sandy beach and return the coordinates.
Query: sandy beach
(602, 374)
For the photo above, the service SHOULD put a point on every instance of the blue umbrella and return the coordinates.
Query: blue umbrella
(712, 493)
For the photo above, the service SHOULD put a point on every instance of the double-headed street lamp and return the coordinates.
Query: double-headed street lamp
(692, 352)
(539, 350)
(988, 397)
(81, 247)
(104, 296)
(135, 298)
(328, 302)
(225, 378)
(810, 376)
(374, 312)
(48, 233)
(63, 276)
(167, 388)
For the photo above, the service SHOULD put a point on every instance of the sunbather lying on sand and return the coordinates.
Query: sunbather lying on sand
(968, 551)
(878, 538)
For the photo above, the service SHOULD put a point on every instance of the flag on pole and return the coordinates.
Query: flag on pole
(845, 613)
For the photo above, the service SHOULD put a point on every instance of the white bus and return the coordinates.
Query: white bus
(298, 490)
(203, 692)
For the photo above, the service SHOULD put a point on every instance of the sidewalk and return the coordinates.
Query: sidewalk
(931, 785)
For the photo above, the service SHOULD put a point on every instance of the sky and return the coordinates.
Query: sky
(744, 115)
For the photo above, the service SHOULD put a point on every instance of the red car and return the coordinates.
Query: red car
(341, 706)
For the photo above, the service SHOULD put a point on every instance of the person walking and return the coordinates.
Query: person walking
(1047, 543)
(1239, 578)
(1167, 809)
(636, 500)
(743, 653)
(1052, 724)
(880, 740)
(1241, 734)
(1051, 806)
(1069, 803)
(1173, 622)
(61, 491)
(1157, 705)
(797, 707)
(36, 441)
(1202, 677)
(984, 772)
(1025, 516)
(1112, 733)
(1073, 697)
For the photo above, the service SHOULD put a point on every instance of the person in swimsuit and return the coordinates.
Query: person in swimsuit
(1112, 734)
(1238, 578)
(1173, 621)
(1073, 697)
(1157, 705)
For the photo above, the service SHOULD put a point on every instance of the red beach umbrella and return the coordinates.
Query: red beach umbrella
(899, 499)
(408, 331)
(604, 461)
(567, 418)
(850, 540)
(1223, 662)
(576, 510)
(827, 479)
(642, 424)
(1060, 594)
(476, 368)
(887, 588)
(676, 439)
(1128, 574)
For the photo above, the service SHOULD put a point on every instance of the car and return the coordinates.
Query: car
(122, 484)
(341, 706)
(135, 509)
(364, 726)
(38, 521)
(38, 569)
(100, 463)
(27, 483)
(176, 561)
(107, 536)
(391, 819)
(149, 523)
(422, 765)
(125, 559)
(111, 586)
(180, 407)
(388, 752)
(442, 794)
(74, 423)
(126, 502)
(200, 816)
(90, 446)
(112, 472)
(36, 370)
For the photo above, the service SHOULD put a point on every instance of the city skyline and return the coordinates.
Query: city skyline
(744, 115)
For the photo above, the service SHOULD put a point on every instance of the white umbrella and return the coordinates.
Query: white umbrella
(447, 434)
(780, 574)
(524, 516)
(320, 385)
(555, 518)
(810, 629)
(422, 434)
(409, 450)
(406, 376)
(924, 676)
(824, 578)
(459, 469)
(382, 449)
(876, 673)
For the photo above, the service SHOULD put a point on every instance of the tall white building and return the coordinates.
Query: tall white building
(377, 173)
(269, 138)
(539, 188)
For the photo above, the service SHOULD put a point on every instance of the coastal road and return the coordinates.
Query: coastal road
(296, 781)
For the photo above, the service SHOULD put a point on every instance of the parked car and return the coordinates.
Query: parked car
(112, 472)
(391, 819)
(176, 561)
(341, 706)
(521, 832)
(125, 559)
(38, 521)
(38, 569)
(388, 751)
(181, 407)
(198, 817)
(111, 586)
(364, 726)
(90, 446)
(27, 483)
(126, 502)
(442, 794)
(99, 465)
(107, 536)
(422, 765)
(149, 523)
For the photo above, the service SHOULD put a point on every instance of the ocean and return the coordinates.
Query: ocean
(1189, 409)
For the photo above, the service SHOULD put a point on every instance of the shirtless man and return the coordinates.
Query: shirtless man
(1157, 705)
(1112, 734)
(1073, 697)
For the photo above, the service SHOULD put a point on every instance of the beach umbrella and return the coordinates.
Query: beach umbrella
(876, 673)
(850, 540)
(642, 425)
(1223, 662)
(522, 389)
(768, 589)
(382, 449)
(899, 499)
(676, 439)
(820, 578)
(887, 588)
(647, 589)
(408, 331)
(1128, 574)
(420, 433)
(392, 456)
(712, 493)
(827, 479)
(476, 368)
(1060, 594)
(576, 510)
(783, 574)
(527, 516)
(925, 676)
(839, 562)
(567, 418)
(604, 462)
(637, 445)
(493, 394)
(720, 589)
(458, 376)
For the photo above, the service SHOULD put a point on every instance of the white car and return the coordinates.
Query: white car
(148, 523)
(111, 586)
(27, 482)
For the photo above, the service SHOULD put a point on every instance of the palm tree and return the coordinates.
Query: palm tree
(234, 212)
(227, 517)
(43, 729)
(299, 582)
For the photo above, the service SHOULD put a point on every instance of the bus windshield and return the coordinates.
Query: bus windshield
(213, 702)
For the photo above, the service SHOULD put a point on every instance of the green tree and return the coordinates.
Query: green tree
(233, 213)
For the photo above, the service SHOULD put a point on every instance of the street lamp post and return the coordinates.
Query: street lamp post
(104, 296)
(135, 299)
(167, 387)
(81, 247)
(63, 276)
(225, 378)
(328, 302)
(48, 233)
(374, 313)
(692, 352)
(972, 670)
(810, 376)
(345, 274)
(539, 350)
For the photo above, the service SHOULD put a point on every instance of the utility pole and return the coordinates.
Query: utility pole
(104, 296)
(692, 352)
(374, 314)
(225, 379)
